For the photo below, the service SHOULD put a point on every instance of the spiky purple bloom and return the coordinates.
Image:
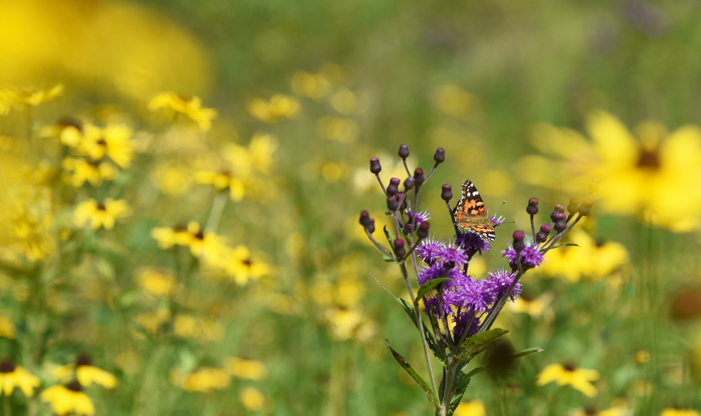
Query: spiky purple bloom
(462, 320)
(497, 220)
(421, 216)
(530, 256)
(436, 271)
(499, 281)
(429, 250)
(471, 244)
(437, 252)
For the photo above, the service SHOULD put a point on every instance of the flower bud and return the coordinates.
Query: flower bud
(408, 183)
(371, 228)
(422, 232)
(365, 219)
(439, 156)
(560, 226)
(393, 186)
(573, 206)
(375, 166)
(399, 249)
(559, 209)
(447, 193)
(403, 151)
(392, 203)
(542, 235)
(585, 208)
(419, 176)
(532, 207)
(400, 197)
(519, 244)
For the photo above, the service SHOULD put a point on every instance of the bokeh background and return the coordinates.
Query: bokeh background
(254, 121)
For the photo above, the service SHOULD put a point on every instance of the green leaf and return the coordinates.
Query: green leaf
(409, 311)
(389, 237)
(388, 259)
(460, 387)
(527, 351)
(565, 245)
(417, 378)
(428, 286)
(478, 343)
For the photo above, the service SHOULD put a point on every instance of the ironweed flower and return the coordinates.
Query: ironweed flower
(460, 306)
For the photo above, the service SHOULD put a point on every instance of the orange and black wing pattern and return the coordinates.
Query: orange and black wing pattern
(471, 214)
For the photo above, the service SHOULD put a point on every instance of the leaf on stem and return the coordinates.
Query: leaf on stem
(415, 375)
(527, 351)
(478, 343)
(428, 286)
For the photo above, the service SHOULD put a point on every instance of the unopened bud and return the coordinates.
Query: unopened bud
(393, 186)
(392, 203)
(560, 226)
(519, 242)
(585, 208)
(403, 151)
(419, 176)
(439, 156)
(559, 210)
(375, 166)
(422, 232)
(542, 235)
(532, 207)
(573, 206)
(399, 249)
(408, 183)
(447, 193)
(365, 219)
(371, 227)
(400, 197)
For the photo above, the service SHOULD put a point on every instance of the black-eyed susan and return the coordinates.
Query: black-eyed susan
(203, 380)
(28, 96)
(83, 170)
(679, 411)
(68, 132)
(205, 244)
(7, 328)
(191, 107)
(246, 369)
(156, 282)
(591, 411)
(114, 141)
(280, 107)
(180, 235)
(349, 323)
(258, 155)
(222, 181)
(86, 373)
(13, 376)
(241, 266)
(152, 322)
(471, 408)
(68, 399)
(95, 214)
(530, 305)
(652, 174)
(579, 378)
(252, 398)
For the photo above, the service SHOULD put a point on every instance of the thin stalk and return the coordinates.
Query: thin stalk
(216, 211)
(449, 382)
(384, 191)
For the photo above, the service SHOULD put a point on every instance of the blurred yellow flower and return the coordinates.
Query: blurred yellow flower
(170, 178)
(97, 214)
(7, 328)
(89, 171)
(454, 101)
(344, 101)
(348, 323)
(257, 155)
(157, 282)
(314, 86)
(13, 376)
(338, 128)
(252, 398)
(654, 175)
(240, 265)
(114, 141)
(204, 380)
(641, 356)
(279, 107)
(579, 378)
(532, 306)
(28, 96)
(188, 326)
(222, 181)
(68, 132)
(68, 399)
(190, 107)
(180, 235)
(591, 259)
(85, 373)
(674, 411)
(612, 411)
(152, 322)
(32, 228)
(246, 369)
(471, 408)
(204, 243)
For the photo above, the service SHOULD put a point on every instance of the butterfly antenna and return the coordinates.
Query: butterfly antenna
(497, 211)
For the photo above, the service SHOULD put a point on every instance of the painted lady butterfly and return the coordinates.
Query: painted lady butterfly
(471, 214)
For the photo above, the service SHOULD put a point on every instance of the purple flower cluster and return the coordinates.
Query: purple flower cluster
(531, 256)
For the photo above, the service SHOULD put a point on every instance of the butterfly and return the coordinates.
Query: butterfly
(471, 214)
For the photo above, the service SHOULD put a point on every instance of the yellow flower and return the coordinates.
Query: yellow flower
(310, 85)
(114, 141)
(670, 411)
(641, 356)
(180, 235)
(100, 214)
(152, 322)
(240, 265)
(279, 107)
(68, 399)
(33, 231)
(222, 181)
(654, 175)
(156, 281)
(338, 128)
(454, 101)
(28, 96)
(252, 398)
(69, 132)
(258, 155)
(591, 259)
(12, 376)
(532, 306)
(613, 411)
(190, 107)
(7, 328)
(204, 243)
(346, 323)
(579, 378)
(188, 326)
(246, 369)
(85, 373)
(87, 171)
(471, 408)
(204, 380)
(344, 101)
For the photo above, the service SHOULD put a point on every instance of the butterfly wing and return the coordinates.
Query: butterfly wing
(470, 210)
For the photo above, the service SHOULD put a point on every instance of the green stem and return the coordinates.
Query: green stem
(215, 213)
(6, 405)
(449, 383)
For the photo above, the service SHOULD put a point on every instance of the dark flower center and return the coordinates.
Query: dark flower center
(74, 386)
(180, 228)
(102, 141)
(7, 366)
(590, 411)
(83, 359)
(200, 235)
(569, 367)
(648, 159)
(101, 206)
(68, 122)
(248, 262)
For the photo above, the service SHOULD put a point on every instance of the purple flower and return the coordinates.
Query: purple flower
(467, 294)
(429, 250)
(421, 216)
(497, 220)
(498, 283)
(530, 256)
(471, 244)
(435, 252)
(461, 322)
(435, 271)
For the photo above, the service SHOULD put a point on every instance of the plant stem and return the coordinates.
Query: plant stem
(215, 213)
(448, 382)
